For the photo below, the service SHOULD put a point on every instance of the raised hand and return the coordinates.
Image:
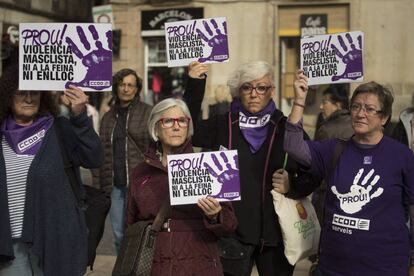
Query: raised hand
(75, 99)
(217, 40)
(359, 194)
(300, 86)
(352, 58)
(196, 70)
(94, 60)
(227, 176)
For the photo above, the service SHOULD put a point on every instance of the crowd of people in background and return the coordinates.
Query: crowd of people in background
(371, 182)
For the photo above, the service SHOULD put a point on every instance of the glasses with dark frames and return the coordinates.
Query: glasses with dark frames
(260, 88)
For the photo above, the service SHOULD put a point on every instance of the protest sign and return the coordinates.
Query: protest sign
(198, 175)
(202, 40)
(53, 56)
(333, 58)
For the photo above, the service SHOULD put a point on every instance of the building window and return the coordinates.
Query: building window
(156, 51)
(161, 81)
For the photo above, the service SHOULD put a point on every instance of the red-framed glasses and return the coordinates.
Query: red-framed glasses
(168, 122)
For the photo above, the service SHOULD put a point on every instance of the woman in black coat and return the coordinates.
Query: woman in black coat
(255, 127)
(42, 228)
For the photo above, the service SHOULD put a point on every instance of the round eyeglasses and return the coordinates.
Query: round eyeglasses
(169, 122)
(260, 88)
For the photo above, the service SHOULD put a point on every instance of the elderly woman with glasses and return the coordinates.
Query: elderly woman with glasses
(370, 186)
(187, 245)
(42, 226)
(255, 127)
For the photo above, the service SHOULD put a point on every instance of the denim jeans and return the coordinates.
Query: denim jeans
(117, 214)
(24, 264)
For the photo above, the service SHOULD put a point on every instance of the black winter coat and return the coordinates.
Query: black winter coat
(53, 221)
(258, 222)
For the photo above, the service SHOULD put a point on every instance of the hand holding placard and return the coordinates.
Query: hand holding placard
(197, 70)
(75, 99)
(210, 206)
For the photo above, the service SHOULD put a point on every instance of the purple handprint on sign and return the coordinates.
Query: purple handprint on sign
(352, 58)
(218, 41)
(98, 62)
(228, 177)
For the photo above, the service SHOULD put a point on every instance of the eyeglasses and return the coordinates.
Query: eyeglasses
(170, 122)
(23, 94)
(127, 86)
(356, 108)
(261, 88)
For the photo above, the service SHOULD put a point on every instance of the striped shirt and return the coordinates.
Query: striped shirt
(17, 167)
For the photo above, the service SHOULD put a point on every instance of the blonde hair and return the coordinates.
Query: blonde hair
(222, 94)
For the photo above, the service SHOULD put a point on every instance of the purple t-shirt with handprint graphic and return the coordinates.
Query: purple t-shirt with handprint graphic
(365, 231)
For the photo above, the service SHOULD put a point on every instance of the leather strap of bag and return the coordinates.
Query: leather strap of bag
(161, 215)
(339, 148)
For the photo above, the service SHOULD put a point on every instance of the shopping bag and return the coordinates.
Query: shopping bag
(300, 226)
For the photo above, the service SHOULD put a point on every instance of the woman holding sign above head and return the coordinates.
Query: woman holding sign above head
(187, 244)
(42, 226)
(370, 186)
(255, 127)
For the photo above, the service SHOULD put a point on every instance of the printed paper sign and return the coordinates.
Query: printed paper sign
(333, 58)
(56, 55)
(202, 40)
(198, 175)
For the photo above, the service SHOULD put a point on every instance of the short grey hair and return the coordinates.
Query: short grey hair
(248, 72)
(158, 110)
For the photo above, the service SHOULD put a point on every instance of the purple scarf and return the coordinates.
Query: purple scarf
(254, 127)
(26, 139)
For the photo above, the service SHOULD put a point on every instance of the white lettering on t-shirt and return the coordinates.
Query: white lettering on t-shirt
(351, 222)
(360, 194)
(367, 160)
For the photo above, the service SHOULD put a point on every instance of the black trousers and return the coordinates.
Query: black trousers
(270, 261)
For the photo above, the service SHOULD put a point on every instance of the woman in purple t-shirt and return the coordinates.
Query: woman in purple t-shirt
(370, 187)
